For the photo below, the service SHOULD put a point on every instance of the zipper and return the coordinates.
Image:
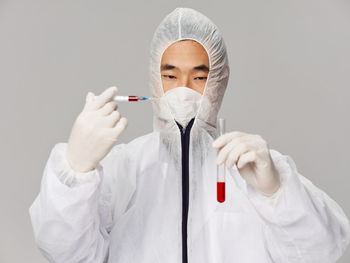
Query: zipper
(185, 145)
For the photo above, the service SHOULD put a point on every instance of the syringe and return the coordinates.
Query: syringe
(221, 169)
(128, 98)
(131, 98)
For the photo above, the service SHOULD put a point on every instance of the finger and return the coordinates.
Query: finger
(224, 152)
(226, 138)
(106, 96)
(88, 100)
(112, 119)
(108, 108)
(89, 96)
(120, 127)
(245, 158)
(236, 153)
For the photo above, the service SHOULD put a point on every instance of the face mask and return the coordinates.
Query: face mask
(183, 103)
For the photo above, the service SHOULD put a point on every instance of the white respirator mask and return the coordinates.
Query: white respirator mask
(184, 103)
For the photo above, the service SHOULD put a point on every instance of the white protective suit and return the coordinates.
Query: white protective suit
(153, 200)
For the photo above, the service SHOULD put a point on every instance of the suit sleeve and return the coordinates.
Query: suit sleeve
(73, 214)
(302, 223)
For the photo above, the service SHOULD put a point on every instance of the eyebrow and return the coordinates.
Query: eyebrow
(200, 67)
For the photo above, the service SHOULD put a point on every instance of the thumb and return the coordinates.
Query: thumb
(89, 96)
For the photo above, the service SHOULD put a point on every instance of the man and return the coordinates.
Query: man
(154, 199)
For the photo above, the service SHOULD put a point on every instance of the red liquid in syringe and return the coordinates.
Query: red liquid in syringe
(221, 192)
(133, 98)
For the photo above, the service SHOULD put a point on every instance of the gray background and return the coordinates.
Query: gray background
(290, 64)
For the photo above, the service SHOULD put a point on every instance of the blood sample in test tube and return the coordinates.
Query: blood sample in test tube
(221, 169)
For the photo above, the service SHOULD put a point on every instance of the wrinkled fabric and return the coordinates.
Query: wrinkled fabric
(129, 208)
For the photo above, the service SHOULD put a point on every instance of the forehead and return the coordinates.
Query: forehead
(185, 52)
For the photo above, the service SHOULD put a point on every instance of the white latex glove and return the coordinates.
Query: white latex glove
(95, 131)
(250, 153)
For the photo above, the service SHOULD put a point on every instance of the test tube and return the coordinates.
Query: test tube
(221, 169)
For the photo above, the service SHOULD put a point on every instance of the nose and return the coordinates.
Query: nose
(184, 82)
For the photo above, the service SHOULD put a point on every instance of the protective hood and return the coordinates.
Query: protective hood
(180, 24)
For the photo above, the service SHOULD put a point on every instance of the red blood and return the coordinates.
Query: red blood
(133, 98)
(221, 192)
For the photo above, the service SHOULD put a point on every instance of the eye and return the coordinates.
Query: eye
(169, 76)
(201, 78)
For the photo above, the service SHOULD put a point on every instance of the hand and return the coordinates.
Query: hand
(95, 131)
(252, 157)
